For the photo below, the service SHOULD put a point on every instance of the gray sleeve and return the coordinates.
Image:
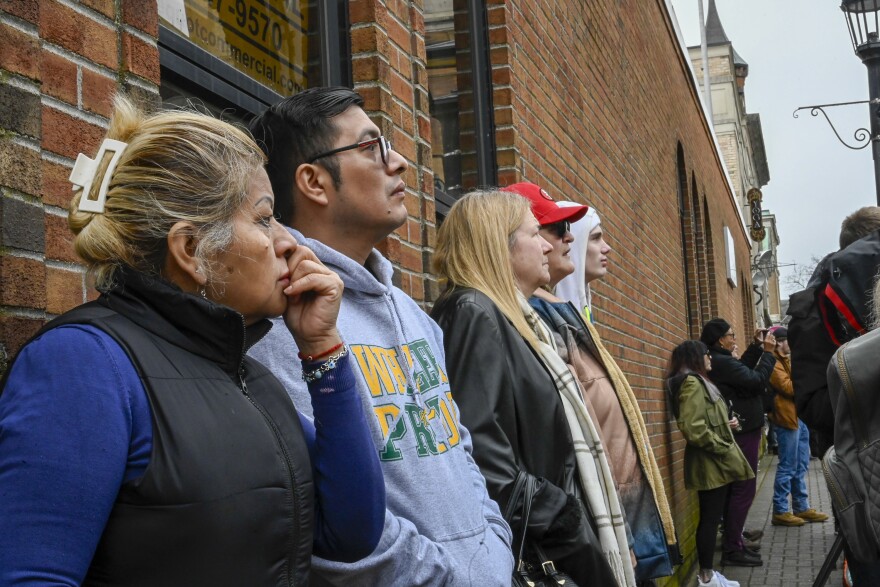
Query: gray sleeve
(403, 557)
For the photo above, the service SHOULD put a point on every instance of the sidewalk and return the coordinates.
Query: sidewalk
(792, 556)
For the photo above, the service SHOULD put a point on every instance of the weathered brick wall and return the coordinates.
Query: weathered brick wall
(599, 101)
(60, 64)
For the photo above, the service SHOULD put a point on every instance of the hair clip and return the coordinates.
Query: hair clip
(84, 170)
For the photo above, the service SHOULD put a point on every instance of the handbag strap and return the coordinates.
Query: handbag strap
(524, 486)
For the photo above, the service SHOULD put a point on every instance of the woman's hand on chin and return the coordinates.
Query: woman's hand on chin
(313, 299)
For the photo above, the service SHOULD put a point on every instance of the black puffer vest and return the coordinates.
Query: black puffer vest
(227, 497)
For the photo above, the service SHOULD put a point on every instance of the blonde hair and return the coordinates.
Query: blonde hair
(473, 250)
(178, 166)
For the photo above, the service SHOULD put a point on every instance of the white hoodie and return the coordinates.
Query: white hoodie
(573, 288)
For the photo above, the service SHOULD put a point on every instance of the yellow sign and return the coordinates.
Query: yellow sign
(264, 39)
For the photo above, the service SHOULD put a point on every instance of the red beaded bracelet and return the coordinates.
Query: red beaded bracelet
(319, 355)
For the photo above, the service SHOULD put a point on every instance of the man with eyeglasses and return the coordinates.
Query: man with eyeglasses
(743, 382)
(338, 186)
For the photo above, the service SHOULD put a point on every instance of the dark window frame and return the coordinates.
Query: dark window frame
(191, 66)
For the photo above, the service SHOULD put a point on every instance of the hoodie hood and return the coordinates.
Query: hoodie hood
(372, 278)
(573, 288)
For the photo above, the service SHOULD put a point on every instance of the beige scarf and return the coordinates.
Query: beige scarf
(639, 431)
(595, 476)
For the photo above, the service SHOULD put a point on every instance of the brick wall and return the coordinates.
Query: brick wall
(60, 63)
(599, 101)
(389, 70)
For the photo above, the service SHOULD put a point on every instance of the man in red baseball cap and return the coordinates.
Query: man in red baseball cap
(555, 219)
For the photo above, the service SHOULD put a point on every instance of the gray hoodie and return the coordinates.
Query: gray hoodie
(441, 527)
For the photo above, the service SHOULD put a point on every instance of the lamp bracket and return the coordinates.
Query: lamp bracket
(859, 135)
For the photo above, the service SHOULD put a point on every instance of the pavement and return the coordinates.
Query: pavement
(792, 555)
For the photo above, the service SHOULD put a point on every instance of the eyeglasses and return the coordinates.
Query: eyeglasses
(384, 148)
(730, 334)
(558, 229)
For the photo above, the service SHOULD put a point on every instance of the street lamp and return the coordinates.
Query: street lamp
(863, 20)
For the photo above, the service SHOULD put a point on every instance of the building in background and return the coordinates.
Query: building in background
(596, 102)
(742, 144)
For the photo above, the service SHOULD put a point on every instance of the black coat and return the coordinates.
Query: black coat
(510, 405)
(743, 382)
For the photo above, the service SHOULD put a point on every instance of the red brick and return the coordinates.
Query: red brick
(15, 331)
(364, 40)
(361, 11)
(59, 240)
(107, 8)
(19, 168)
(69, 136)
(59, 78)
(23, 282)
(142, 15)
(28, 10)
(56, 188)
(97, 92)
(78, 33)
(21, 52)
(64, 290)
(140, 58)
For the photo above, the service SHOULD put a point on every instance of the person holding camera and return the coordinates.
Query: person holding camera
(743, 383)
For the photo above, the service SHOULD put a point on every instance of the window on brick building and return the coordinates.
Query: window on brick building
(459, 88)
(240, 56)
(689, 272)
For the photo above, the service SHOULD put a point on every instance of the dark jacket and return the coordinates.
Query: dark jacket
(743, 382)
(192, 518)
(509, 402)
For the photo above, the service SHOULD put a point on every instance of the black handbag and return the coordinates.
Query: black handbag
(533, 567)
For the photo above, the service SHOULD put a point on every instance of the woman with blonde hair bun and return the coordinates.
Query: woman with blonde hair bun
(516, 401)
(139, 445)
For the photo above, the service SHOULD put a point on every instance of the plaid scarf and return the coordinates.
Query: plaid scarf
(592, 463)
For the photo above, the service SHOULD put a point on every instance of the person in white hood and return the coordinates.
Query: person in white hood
(590, 258)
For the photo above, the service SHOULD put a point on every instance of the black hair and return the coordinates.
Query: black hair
(688, 357)
(296, 129)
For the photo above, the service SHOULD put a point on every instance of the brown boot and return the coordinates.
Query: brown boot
(812, 515)
(786, 519)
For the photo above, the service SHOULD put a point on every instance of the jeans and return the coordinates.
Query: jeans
(791, 474)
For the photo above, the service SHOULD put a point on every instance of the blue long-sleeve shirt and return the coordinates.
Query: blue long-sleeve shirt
(75, 424)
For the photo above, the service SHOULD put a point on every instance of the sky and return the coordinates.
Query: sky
(799, 54)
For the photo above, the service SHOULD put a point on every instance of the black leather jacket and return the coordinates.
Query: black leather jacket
(743, 382)
(508, 402)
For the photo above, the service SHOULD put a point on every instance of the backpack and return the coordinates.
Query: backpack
(852, 465)
(834, 308)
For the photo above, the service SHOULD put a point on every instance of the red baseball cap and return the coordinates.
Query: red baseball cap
(544, 207)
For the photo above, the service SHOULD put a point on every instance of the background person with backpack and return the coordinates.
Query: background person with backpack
(830, 311)
(852, 465)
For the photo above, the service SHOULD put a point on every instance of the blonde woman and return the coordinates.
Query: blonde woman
(523, 409)
(139, 445)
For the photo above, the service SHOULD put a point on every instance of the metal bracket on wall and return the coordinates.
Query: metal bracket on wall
(859, 135)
